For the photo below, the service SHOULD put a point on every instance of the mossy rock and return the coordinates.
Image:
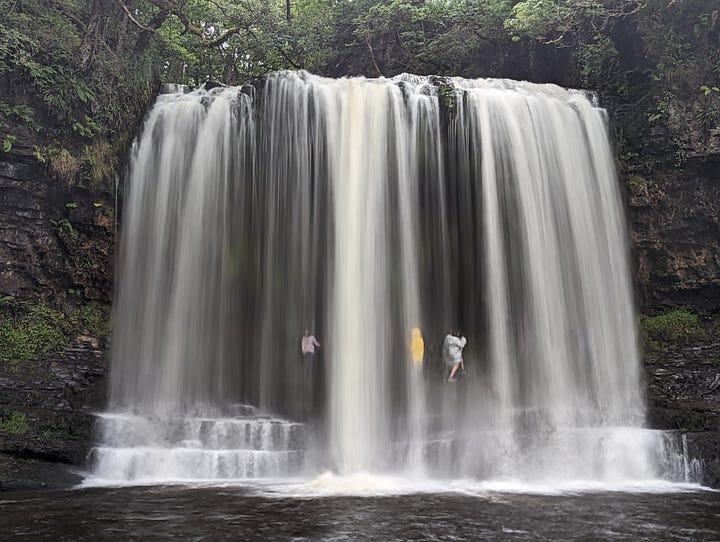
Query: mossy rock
(447, 93)
(31, 330)
(16, 423)
(675, 328)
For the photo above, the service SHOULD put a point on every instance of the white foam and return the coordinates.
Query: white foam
(366, 484)
(567, 487)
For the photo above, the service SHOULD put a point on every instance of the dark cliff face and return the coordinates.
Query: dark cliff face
(666, 125)
(48, 405)
(56, 244)
(675, 228)
(683, 394)
(56, 240)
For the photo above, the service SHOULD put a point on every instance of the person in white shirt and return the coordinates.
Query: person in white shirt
(307, 345)
(452, 353)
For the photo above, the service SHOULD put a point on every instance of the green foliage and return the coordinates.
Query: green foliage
(98, 163)
(597, 60)
(311, 33)
(232, 41)
(19, 113)
(567, 22)
(8, 142)
(636, 180)
(33, 330)
(92, 319)
(37, 48)
(66, 232)
(88, 128)
(676, 327)
(394, 25)
(82, 73)
(435, 37)
(39, 154)
(448, 94)
(709, 117)
(15, 424)
(662, 108)
(63, 165)
(69, 77)
(539, 19)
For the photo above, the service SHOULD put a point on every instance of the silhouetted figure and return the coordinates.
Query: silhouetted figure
(452, 353)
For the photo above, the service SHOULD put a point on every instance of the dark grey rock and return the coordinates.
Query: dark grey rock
(682, 395)
(35, 259)
(705, 445)
(17, 473)
(56, 398)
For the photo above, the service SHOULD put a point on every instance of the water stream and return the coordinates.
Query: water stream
(359, 209)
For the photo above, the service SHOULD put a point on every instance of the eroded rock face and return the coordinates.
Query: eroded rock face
(675, 222)
(47, 407)
(56, 243)
(684, 388)
(705, 445)
(684, 395)
(56, 240)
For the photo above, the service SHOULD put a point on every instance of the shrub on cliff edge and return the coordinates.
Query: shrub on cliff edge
(675, 328)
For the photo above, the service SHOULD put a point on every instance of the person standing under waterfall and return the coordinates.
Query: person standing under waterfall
(307, 345)
(452, 353)
(417, 346)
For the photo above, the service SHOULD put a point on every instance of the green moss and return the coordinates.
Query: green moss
(51, 434)
(677, 327)
(32, 330)
(16, 424)
(93, 319)
(29, 331)
(448, 95)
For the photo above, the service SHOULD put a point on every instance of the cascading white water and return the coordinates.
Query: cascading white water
(563, 362)
(359, 209)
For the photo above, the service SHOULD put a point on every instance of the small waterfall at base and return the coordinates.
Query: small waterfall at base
(359, 209)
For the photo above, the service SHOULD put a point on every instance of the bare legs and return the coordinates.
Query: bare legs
(454, 369)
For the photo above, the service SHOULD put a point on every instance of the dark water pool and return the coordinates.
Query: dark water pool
(207, 513)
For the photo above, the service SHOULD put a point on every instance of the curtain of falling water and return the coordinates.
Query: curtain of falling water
(173, 327)
(359, 209)
(561, 348)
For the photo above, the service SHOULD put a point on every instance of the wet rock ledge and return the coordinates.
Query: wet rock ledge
(683, 386)
(46, 415)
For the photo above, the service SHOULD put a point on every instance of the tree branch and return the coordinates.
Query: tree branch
(372, 54)
(202, 34)
(155, 23)
(133, 19)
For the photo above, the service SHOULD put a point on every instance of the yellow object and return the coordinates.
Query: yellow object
(417, 346)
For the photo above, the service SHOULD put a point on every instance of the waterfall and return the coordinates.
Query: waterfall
(359, 209)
